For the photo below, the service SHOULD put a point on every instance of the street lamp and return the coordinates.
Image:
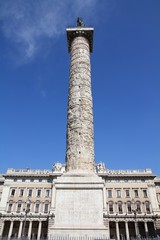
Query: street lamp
(134, 210)
(26, 210)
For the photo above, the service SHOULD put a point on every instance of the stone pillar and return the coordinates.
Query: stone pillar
(30, 230)
(127, 231)
(136, 228)
(117, 231)
(146, 228)
(20, 229)
(39, 230)
(1, 228)
(10, 230)
(80, 134)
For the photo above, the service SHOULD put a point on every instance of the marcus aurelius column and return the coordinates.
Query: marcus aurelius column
(80, 135)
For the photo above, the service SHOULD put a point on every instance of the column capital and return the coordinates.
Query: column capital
(86, 32)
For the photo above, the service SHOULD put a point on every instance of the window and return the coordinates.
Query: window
(47, 192)
(37, 207)
(19, 207)
(49, 180)
(21, 192)
(144, 193)
(15, 180)
(147, 207)
(38, 192)
(127, 193)
(30, 193)
(10, 206)
(109, 193)
(110, 206)
(120, 207)
(13, 192)
(138, 204)
(40, 180)
(118, 193)
(32, 180)
(136, 193)
(23, 179)
(129, 208)
(46, 205)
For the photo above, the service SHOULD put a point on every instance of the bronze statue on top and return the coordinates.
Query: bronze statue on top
(80, 22)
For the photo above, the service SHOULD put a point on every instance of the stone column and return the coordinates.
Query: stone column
(80, 135)
(136, 228)
(1, 228)
(117, 231)
(20, 229)
(39, 230)
(146, 228)
(30, 230)
(127, 231)
(10, 230)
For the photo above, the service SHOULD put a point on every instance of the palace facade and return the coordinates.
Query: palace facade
(131, 200)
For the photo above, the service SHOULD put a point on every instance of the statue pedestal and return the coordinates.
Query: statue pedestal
(78, 206)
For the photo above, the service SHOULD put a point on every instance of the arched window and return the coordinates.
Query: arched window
(129, 207)
(10, 205)
(46, 207)
(147, 205)
(138, 206)
(120, 210)
(110, 207)
(19, 206)
(37, 204)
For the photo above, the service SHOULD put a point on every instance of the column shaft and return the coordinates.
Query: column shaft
(80, 136)
(10, 229)
(117, 231)
(39, 230)
(146, 228)
(127, 230)
(20, 230)
(136, 228)
(30, 230)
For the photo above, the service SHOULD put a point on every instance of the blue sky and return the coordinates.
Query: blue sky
(34, 75)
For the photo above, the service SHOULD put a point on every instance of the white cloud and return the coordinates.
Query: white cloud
(26, 23)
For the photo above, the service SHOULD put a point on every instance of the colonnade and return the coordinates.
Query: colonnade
(30, 229)
(125, 230)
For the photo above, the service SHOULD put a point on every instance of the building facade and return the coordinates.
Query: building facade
(132, 199)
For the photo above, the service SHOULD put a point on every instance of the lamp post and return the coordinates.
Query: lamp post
(26, 210)
(134, 210)
(154, 217)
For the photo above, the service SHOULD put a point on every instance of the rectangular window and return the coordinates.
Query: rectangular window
(21, 192)
(127, 193)
(144, 193)
(30, 193)
(13, 192)
(118, 193)
(136, 193)
(38, 193)
(46, 207)
(109, 193)
(47, 192)
(23, 179)
(40, 180)
(32, 180)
